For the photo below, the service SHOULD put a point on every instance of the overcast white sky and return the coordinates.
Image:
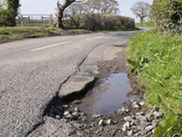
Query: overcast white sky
(49, 6)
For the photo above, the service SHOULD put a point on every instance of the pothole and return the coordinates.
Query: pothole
(108, 95)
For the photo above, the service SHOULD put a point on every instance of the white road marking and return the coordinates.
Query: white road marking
(49, 46)
(94, 38)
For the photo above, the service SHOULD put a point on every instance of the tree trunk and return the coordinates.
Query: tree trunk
(59, 20)
(141, 21)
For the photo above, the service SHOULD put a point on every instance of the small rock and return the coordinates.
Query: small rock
(101, 122)
(65, 106)
(109, 122)
(149, 117)
(121, 111)
(149, 128)
(130, 133)
(155, 108)
(135, 105)
(58, 117)
(142, 119)
(83, 114)
(133, 122)
(128, 118)
(66, 113)
(126, 126)
(157, 114)
(155, 123)
(76, 110)
(76, 102)
(76, 114)
(132, 100)
(96, 116)
(139, 114)
(142, 103)
(69, 116)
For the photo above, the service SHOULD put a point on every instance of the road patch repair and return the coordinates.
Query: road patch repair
(63, 116)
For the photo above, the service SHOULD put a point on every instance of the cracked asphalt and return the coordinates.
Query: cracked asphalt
(32, 70)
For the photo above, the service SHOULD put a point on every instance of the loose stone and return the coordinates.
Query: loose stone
(149, 128)
(96, 116)
(65, 106)
(128, 118)
(101, 122)
(142, 103)
(121, 111)
(76, 110)
(157, 114)
(130, 133)
(66, 113)
(109, 122)
(126, 126)
(76, 102)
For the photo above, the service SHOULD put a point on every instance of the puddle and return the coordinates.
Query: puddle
(108, 95)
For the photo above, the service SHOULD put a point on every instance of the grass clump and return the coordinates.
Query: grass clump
(157, 61)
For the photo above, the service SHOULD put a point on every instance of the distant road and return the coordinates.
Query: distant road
(32, 70)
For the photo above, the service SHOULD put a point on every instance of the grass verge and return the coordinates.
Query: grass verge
(157, 62)
(12, 33)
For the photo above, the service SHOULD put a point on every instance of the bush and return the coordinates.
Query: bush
(167, 15)
(96, 22)
(5, 17)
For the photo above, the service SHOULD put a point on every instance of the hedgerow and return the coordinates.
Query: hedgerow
(167, 15)
(96, 22)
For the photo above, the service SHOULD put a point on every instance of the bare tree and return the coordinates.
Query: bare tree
(61, 8)
(141, 10)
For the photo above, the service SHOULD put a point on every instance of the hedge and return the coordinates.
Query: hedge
(167, 15)
(95, 22)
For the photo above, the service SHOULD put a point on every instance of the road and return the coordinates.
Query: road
(32, 70)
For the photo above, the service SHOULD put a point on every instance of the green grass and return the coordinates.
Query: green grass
(157, 61)
(148, 24)
(12, 33)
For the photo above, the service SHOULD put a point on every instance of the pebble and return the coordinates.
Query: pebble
(122, 110)
(96, 116)
(65, 106)
(101, 122)
(128, 118)
(109, 122)
(142, 103)
(76, 102)
(135, 105)
(157, 114)
(58, 116)
(76, 110)
(126, 126)
(66, 113)
(149, 128)
(130, 133)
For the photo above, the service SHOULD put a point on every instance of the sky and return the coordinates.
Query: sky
(49, 7)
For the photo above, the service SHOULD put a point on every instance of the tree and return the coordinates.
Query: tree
(13, 7)
(141, 10)
(61, 8)
(94, 6)
(8, 12)
(106, 6)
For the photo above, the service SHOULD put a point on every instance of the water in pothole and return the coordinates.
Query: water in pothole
(108, 95)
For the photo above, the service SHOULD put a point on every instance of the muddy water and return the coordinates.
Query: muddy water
(108, 95)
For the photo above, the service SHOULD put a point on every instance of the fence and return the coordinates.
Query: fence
(34, 19)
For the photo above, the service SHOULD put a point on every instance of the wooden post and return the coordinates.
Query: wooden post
(51, 20)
